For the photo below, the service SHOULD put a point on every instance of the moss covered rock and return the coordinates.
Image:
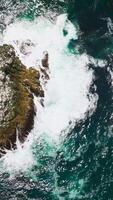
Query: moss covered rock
(17, 86)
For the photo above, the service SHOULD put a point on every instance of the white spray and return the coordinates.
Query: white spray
(66, 92)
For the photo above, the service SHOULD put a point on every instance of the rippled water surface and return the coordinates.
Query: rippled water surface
(69, 153)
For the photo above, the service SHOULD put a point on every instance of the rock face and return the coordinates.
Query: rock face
(17, 86)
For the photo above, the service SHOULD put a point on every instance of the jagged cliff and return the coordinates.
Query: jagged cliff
(17, 86)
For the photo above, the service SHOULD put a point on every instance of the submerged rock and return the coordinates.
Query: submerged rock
(26, 46)
(17, 86)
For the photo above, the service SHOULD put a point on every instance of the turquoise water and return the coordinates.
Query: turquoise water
(81, 165)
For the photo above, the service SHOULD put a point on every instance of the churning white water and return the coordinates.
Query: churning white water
(65, 93)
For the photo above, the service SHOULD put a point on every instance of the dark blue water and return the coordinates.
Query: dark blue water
(82, 168)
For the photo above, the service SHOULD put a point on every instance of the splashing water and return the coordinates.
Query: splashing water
(66, 92)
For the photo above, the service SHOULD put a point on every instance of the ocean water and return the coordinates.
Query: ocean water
(69, 153)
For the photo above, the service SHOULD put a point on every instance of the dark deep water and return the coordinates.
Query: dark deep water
(82, 168)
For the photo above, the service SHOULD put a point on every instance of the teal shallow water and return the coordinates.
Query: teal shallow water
(82, 166)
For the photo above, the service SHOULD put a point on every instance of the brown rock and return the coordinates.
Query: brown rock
(17, 86)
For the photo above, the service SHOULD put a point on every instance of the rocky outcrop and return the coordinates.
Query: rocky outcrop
(17, 86)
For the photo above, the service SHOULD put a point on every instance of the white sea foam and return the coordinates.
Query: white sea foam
(66, 92)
